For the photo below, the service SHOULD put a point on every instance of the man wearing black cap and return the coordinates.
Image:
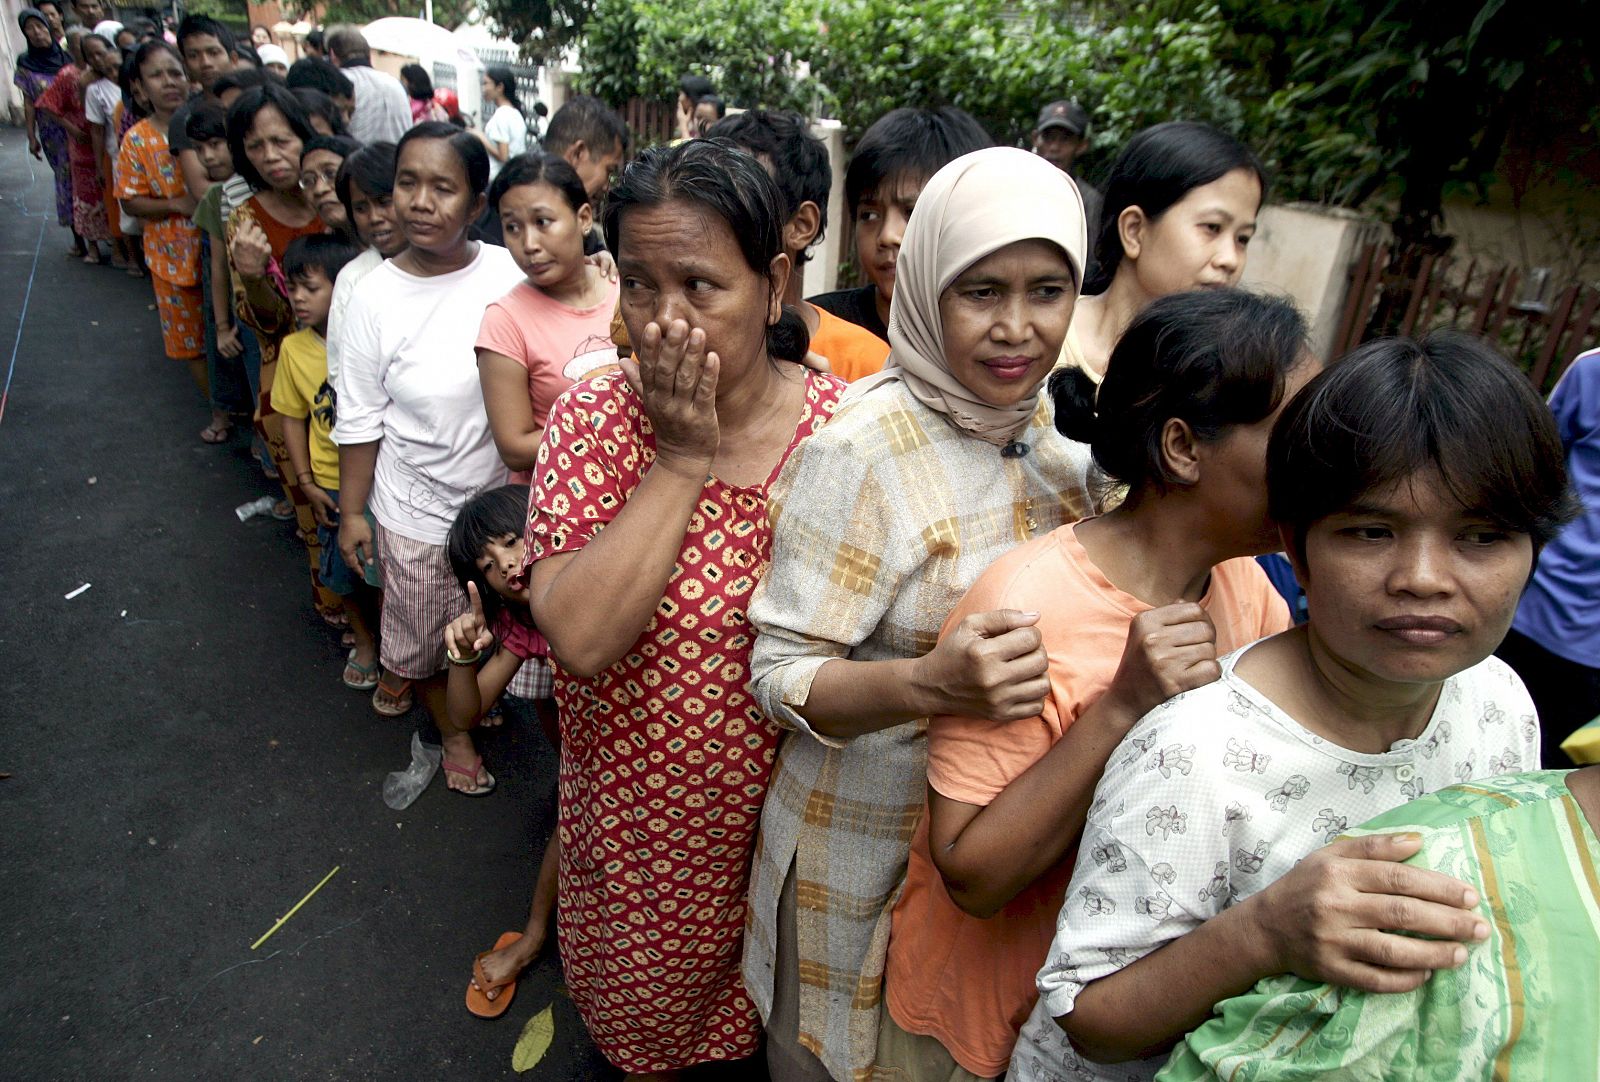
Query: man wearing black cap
(1059, 136)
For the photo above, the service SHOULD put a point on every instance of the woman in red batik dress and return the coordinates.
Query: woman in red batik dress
(647, 532)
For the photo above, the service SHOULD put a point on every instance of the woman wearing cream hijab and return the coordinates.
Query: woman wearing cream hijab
(882, 520)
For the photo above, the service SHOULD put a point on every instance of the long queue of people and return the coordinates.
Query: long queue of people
(923, 710)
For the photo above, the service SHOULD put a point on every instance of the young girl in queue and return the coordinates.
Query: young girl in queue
(414, 441)
(1135, 606)
(1413, 484)
(487, 647)
(554, 327)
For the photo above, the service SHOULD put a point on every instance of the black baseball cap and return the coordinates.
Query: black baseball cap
(1064, 114)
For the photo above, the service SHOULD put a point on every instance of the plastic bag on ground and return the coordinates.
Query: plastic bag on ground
(402, 787)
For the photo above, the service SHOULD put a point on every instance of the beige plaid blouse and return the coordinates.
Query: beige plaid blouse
(881, 521)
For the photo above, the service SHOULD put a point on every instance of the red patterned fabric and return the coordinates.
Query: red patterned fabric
(665, 757)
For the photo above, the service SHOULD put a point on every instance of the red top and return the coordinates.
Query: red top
(665, 757)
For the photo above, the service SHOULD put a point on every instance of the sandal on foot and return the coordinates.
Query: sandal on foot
(359, 677)
(283, 511)
(392, 701)
(471, 772)
(478, 1001)
(216, 433)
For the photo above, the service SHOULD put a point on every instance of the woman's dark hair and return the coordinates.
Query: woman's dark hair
(499, 73)
(695, 87)
(319, 74)
(317, 40)
(327, 252)
(342, 145)
(242, 116)
(535, 167)
(716, 103)
(716, 176)
(909, 143)
(1159, 166)
(101, 38)
(417, 82)
(474, 159)
(242, 79)
(489, 516)
(1396, 407)
(207, 121)
(246, 51)
(371, 168)
(1215, 359)
(125, 79)
(316, 103)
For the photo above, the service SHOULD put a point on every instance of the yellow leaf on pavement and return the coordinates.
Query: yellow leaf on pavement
(534, 1042)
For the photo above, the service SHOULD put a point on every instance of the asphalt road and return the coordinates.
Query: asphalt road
(182, 763)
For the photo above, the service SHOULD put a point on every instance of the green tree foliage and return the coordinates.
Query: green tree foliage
(543, 27)
(1001, 60)
(998, 59)
(1403, 100)
(751, 50)
(1406, 100)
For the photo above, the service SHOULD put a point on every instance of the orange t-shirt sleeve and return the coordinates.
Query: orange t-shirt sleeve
(973, 759)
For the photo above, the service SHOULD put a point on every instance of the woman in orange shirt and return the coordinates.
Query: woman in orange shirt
(1135, 606)
(150, 186)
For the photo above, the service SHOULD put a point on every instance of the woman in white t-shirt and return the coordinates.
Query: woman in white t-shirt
(505, 133)
(414, 440)
(1413, 484)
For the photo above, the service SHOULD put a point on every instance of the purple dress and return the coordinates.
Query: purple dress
(54, 140)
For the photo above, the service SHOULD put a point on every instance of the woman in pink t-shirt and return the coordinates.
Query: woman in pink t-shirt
(553, 329)
(1134, 607)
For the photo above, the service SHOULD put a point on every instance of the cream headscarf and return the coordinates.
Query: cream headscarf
(971, 208)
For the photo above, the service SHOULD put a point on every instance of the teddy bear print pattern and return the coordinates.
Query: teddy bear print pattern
(1213, 796)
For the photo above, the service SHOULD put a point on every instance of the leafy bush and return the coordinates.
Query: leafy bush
(1344, 100)
(751, 49)
(854, 60)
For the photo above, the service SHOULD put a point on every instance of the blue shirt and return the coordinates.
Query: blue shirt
(1561, 608)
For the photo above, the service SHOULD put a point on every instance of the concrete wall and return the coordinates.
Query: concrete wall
(1305, 251)
(822, 272)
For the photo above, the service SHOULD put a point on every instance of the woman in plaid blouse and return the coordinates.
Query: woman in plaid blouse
(881, 521)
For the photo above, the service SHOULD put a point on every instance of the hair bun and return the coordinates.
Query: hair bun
(789, 338)
(1073, 391)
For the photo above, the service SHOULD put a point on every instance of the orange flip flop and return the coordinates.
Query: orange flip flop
(479, 1003)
